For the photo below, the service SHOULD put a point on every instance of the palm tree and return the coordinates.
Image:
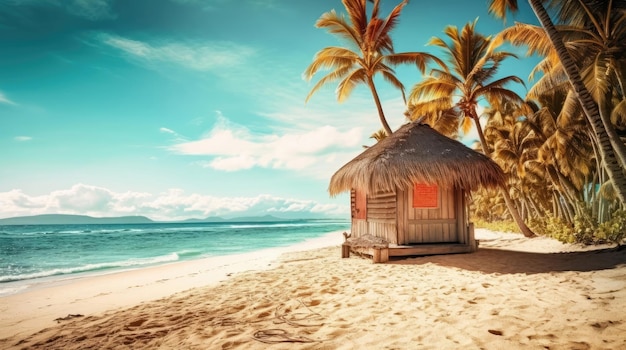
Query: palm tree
(468, 79)
(596, 38)
(564, 151)
(607, 142)
(371, 52)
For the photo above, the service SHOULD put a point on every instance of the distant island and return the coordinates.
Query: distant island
(67, 219)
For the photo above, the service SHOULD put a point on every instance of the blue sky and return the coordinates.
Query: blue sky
(188, 108)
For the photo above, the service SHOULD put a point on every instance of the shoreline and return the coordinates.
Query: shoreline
(10, 285)
(38, 305)
(513, 292)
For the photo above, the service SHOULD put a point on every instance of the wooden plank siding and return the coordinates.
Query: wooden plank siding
(381, 207)
(382, 216)
(436, 225)
(462, 217)
(359, 227)
(401, 212)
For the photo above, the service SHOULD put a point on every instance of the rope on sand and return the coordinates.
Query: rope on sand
(300, 319)
(296, 318)
(272, 336)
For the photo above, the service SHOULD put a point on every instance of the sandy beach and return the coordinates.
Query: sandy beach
(513, 293)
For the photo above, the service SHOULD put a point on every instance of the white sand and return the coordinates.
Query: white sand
(513, 293)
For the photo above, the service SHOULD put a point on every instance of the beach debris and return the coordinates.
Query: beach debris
(68, 317)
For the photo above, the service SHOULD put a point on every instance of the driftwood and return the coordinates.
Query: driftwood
(367, 241)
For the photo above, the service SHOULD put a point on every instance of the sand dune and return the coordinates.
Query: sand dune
(513, 293)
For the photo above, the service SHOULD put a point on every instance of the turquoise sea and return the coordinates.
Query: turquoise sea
(34, 253)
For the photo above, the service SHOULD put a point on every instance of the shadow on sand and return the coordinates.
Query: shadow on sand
(489, 260)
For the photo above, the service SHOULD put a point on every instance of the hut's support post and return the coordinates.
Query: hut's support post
(380, 255)
(472, 241)
(345, 250)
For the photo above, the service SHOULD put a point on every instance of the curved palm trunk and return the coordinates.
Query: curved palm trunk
(379, 107)
(526, 231)
(590, 108)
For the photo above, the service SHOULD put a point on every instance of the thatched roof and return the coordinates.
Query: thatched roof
(416, 153)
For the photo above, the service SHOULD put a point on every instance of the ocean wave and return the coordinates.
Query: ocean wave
(189, 253)
(263, 225)
(92, 267)
(4, 291)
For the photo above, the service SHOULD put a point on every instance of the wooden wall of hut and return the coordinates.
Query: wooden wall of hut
(443, 224)
(359, 220)
(380, 218)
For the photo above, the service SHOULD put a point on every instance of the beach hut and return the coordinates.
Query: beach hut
(409, 194)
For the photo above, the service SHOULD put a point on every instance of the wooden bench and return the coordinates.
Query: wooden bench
(371, 245)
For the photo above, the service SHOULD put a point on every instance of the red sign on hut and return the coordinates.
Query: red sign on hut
(425, 196)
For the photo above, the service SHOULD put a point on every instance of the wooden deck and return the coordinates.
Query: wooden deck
(381, 255)
(430, 249)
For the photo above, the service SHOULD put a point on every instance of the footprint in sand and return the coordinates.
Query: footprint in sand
(542, 337)
(602, 325)
(136, 323)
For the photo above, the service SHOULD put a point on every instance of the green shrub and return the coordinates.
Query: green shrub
(554, 227)
(614, 230)
(502, 226)
(585, 225)
(585, 230)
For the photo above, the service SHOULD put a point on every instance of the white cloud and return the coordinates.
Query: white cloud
(176, 136)
(6, 100)
(201, 56)
(233, 147)
(173, 204)
(83, 197)
(22, 138)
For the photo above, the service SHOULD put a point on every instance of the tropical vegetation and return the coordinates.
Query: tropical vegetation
(370, 52)
(562, 146)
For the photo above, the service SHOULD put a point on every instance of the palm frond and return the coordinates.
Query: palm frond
(434, 106)
(345, 87)
(607, 191)
(554, 81)
(466, 125)
(499, 94)
(618, 115)
(393, 80)
(498, 8)
(330, 58)
(357, 13)
(533, 37)
(330, 77)
(432, 88)
(420, 59)
(388, 25)
(379, 135)
(339, 26)
(601, 79)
